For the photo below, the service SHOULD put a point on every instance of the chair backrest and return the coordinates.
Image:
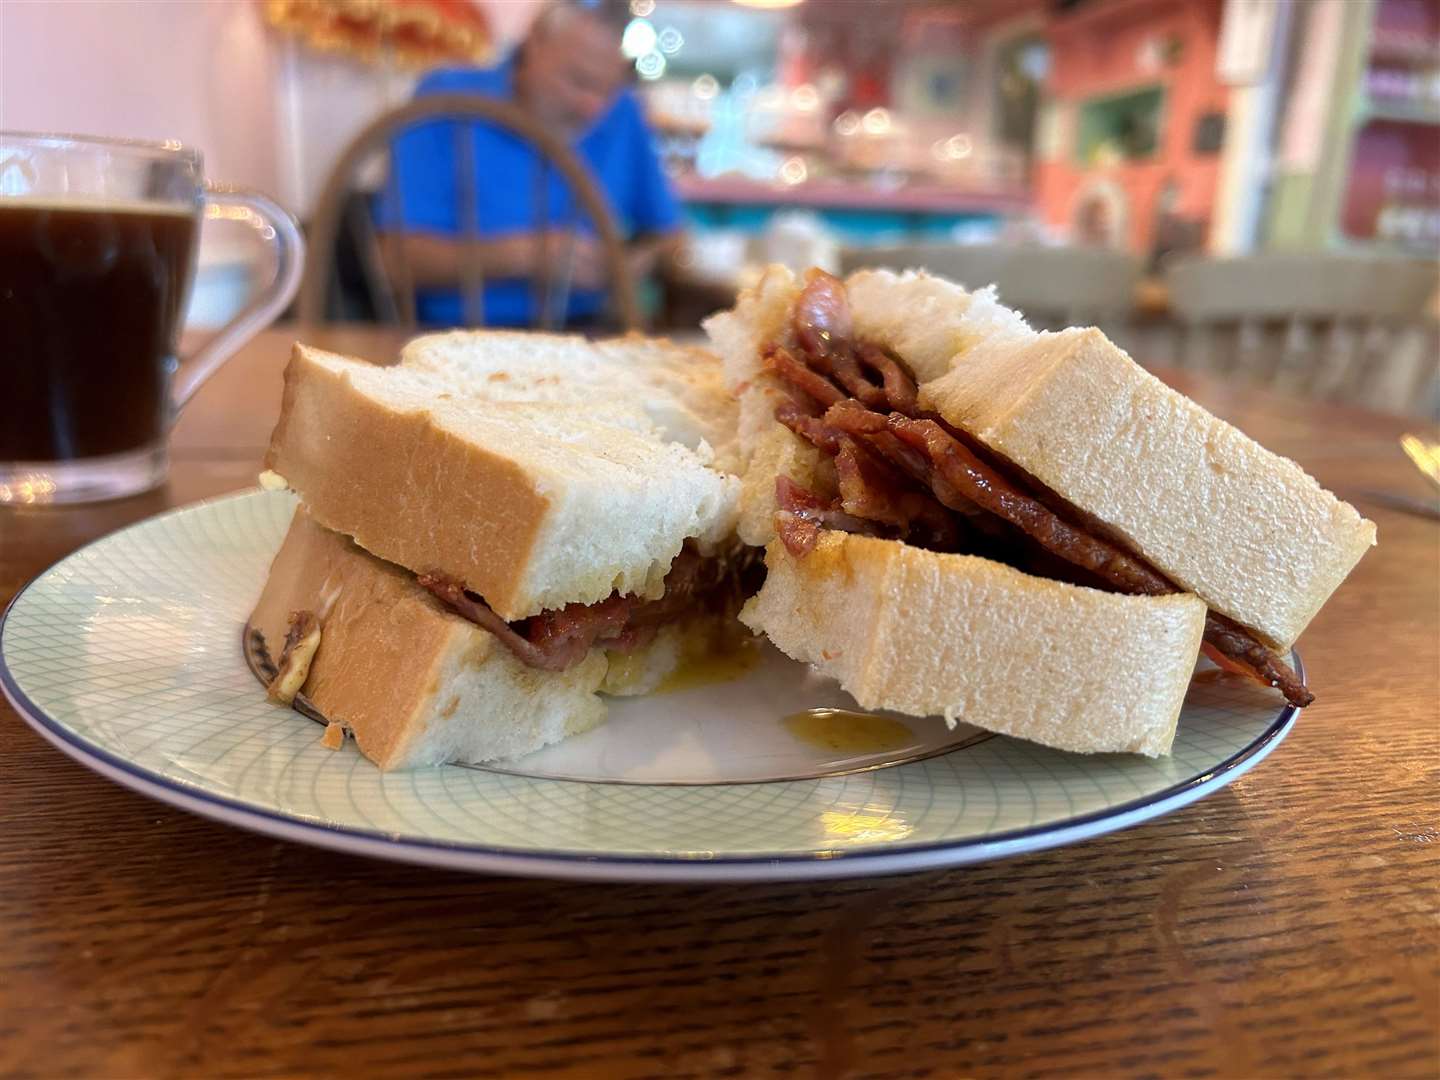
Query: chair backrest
(1334, 325)
(342, 214)
(1052, 287)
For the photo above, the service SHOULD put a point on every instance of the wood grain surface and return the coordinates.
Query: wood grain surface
(1286, 926)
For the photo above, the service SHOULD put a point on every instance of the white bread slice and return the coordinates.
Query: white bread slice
(1247, 530)
(418, 685)
(511, 351)
(682, 389)
(766, 449)
(531, 505)
(513, 367)
(415, 684)
(924, 320)
(924, 633)
(678, 388)
(761, 315)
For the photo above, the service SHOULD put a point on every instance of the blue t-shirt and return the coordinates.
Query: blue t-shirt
(424, 193)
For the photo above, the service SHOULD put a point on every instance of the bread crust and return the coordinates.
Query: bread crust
(925, 633)
(369, 471)
(417, 685)
(387, 648)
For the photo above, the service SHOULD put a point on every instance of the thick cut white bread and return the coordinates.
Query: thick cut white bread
(508, 350)
(761, 315)
(778, 453)
(766, 449)
(923, 320)
(929, 634)
(927, 321)
(682, 389)
(678, 389)
(415, 684)
(531, 505)
(1247, 530)
(418, 685)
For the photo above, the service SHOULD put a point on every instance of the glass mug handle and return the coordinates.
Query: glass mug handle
(278, 229)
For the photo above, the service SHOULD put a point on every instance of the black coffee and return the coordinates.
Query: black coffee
(90, 302)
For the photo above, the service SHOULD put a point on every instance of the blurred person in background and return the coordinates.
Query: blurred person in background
(569, 74)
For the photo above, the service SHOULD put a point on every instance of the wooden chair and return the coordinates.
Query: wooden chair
(1337, 326)
(1052, 287)
(343, 213)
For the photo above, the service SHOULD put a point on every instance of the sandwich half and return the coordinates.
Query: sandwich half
(415, 683)
(1046, 532)
(490, 543)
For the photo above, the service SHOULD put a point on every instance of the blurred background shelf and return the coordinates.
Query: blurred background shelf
(1401, 112)
(851, 195)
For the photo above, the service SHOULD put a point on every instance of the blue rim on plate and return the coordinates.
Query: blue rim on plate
(884, 855)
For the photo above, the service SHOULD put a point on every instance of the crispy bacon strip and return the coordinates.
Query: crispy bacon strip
(825, 331)
(871, 488)
(1233, 641)
(464, 603)
(568, 633)
(844, 368)
(960, 472)
(792, 371)
(812, 429)
(821, 318)
(901, 393)
(803, 514)
(853, 418)
(559, 639)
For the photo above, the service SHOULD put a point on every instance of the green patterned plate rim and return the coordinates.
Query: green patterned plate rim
(126, 656)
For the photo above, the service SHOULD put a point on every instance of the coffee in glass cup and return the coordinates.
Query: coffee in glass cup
(98, 244)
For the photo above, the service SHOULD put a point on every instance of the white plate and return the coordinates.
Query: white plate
(127, 657)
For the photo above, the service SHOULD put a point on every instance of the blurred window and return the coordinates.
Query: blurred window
(1123, 127)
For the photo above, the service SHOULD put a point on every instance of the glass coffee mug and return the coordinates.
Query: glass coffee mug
(98, 241)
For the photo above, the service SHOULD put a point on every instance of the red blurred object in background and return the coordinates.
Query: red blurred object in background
(414, 33)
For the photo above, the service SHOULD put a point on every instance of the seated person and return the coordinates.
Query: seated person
(570, 76)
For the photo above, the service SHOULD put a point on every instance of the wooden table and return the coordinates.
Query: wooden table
(1285, 926)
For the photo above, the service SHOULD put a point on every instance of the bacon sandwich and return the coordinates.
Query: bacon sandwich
(1025, 530)
(494, 532)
